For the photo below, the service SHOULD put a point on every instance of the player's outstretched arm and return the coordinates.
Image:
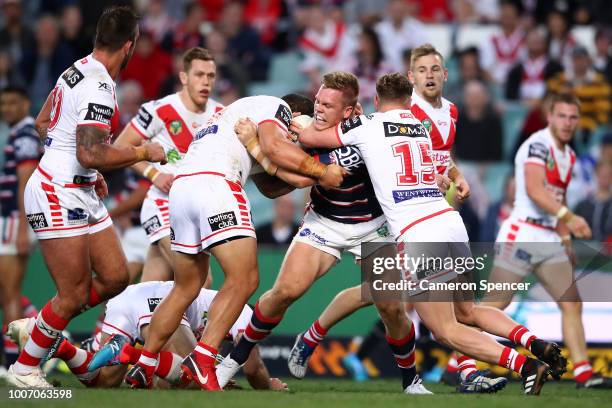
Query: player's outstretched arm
(94, 153)
(535, 181)
(311, 137)
(280, 152)
(128, 137)
(258, 376)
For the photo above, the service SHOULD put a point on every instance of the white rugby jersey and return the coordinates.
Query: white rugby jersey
(441, 124)
(397, 152)
(540, 149)
(168, 122)
(84, 95)
(140, 300)
(216, 147)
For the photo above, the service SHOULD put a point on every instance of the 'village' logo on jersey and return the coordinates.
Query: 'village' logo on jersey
(403, 129)
(427, 124)
(176, 127)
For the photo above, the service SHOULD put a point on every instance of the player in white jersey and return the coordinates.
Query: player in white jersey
(210, 214)
(127, 318)
(537, 237)
(62, 198)
(172, 122)
(396, 149)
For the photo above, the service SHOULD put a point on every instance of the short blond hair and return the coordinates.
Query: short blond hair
(423, 50)
(344, 82)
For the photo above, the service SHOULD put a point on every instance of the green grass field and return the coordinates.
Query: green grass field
(321, 393)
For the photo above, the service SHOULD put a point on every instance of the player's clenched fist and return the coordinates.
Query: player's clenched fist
(579, 227)
(154, 152)
(443, 182)
(333, 176)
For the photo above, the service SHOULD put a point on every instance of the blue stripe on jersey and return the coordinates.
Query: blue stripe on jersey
(22, 145)
(354, 201)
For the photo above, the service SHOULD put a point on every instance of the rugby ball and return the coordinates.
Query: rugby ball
(303, 120)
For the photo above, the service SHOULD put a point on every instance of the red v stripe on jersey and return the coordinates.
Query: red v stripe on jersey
(437, 141)
(181, 136)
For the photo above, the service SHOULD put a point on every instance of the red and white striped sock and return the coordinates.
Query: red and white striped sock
(315, 334)
(512, 359)
(47, 328)
(452, 366)
(466, 367)
(520, 335)
(169, 366)
(583, 371)
(148, 361)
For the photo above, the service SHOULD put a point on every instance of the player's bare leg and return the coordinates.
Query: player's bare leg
(344, 304)
(241, 281)
(303, 264)
(13, 269)
(190, 275)
(440, 318)
(191, 271)
(158, 266)
(401, 340)
(76, 290)
(558, 280)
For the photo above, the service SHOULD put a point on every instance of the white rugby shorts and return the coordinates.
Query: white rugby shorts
(155, 215)
(205, 209)
(521, 247)
(334, 237)
(58, 211)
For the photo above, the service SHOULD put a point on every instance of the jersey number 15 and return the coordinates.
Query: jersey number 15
(420, 160)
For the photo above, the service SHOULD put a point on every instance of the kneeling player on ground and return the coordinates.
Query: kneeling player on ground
(127, 319)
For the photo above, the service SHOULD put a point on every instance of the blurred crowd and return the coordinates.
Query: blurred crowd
(531, 52)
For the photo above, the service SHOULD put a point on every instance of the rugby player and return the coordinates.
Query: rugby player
(337, 220)
(172, 122)
(439, 116)
(62, 198)
(537, 237)
(210, 214)
(21, 155)
(416, 212)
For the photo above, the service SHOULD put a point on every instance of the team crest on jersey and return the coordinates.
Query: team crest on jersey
(175, 127)
(427, 124)
(550, 163)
